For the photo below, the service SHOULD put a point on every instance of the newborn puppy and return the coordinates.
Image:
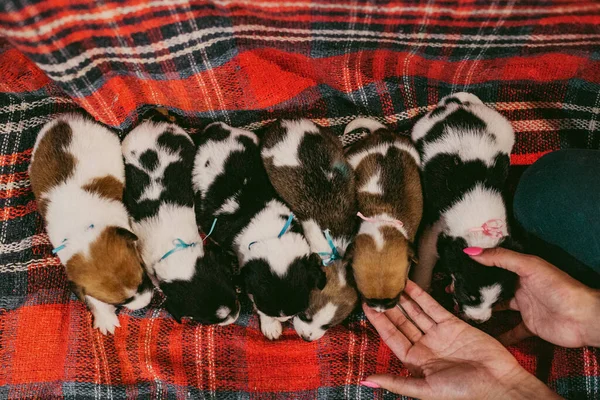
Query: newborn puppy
(159, 158)
(77, 176)
(276, 264)
(390, 201)
(306, 165)
(465, 148)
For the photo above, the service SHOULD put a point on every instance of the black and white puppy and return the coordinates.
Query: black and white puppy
(307, 167)
(465, 151)
(278, 269)
(159, 158)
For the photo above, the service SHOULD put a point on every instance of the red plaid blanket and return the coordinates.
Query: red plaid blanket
(246, 63)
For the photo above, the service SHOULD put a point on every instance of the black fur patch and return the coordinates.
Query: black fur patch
(278, 297)
(149, 160)
(207, 291)
(470, 276)
(446, 178)
(459, 120)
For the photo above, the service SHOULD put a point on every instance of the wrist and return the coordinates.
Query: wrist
(526, 386)
(591, 326)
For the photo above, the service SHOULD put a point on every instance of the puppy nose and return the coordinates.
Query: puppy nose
(306, 338)
(382, 304)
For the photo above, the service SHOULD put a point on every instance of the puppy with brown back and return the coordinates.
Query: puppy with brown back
(390, 203)
(77, 175)
(306, 165)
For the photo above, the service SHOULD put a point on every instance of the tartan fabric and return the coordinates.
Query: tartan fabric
(247, 63)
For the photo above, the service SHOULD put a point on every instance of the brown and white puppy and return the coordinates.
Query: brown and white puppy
(390, 200)
(307, 167)
(77, 176)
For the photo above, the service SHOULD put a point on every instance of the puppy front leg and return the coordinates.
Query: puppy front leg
(105, 318)
(270, 327)
(428, 256)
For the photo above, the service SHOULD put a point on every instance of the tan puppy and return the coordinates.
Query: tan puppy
(77, 176)
(390, 201)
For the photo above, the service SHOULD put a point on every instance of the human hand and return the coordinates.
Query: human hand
(448, 358)
(554, 306)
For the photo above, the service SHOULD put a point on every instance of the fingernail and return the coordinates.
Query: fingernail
(370, 384)
(473, 251)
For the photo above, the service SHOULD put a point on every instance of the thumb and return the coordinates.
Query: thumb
(504, 258)
(515, 335)
(407, 386)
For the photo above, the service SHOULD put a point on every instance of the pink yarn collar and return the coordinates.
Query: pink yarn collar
(395, 222)
(493, 228)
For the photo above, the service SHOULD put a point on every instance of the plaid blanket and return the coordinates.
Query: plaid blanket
(246, 63)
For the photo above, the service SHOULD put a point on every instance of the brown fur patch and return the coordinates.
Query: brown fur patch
(111, 270)
(381, 274)
(51, 164)
(400, 181)
(108, 187)
(344, 296)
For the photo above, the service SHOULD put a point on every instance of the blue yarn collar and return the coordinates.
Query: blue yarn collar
(179, 244)
(65, 242)
(329, 257)
(285, 228)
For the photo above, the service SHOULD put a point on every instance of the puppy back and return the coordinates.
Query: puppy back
(388, 179)
(307, 167)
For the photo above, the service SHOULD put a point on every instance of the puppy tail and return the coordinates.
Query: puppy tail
(364, 123)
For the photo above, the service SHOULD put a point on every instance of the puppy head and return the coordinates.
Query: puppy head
(476, 287)
(283, 295)
(111, 269)
(382, 257)
(209, 296)
(327, 307)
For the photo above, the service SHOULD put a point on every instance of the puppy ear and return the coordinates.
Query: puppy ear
(126, 234)
(321, 279)
(316, 270)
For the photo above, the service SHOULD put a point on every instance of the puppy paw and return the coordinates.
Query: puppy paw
(105, 318)
(106, 323)
(270, 327)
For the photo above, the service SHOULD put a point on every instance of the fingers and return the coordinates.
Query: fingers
(431, 307)
(395, 340)
(414, 312)
(515, 335)
(507, 259)
(407, 386)
(404, 325)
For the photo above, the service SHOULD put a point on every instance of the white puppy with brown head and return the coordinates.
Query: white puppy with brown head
(390, 201)
(77, 176)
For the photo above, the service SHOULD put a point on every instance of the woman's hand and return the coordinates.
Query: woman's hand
(448, 358)
(553, 305)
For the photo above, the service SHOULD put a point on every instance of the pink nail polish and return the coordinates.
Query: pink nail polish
(370, 384)
(473, 251)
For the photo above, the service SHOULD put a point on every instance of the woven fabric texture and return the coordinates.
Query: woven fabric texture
(247, 63)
